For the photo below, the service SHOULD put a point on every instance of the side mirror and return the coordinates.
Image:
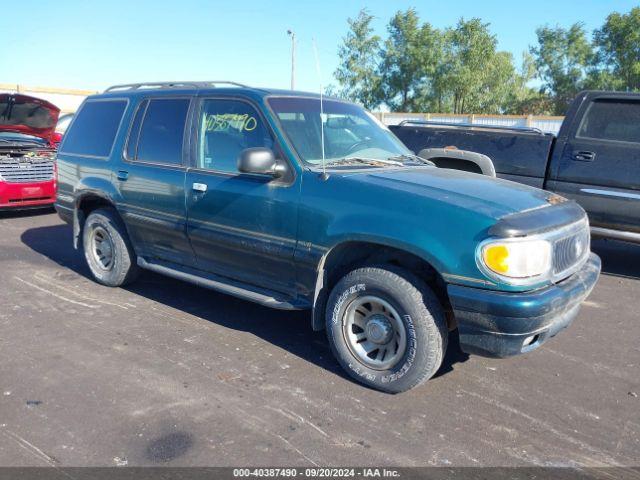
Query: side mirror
(261, 161)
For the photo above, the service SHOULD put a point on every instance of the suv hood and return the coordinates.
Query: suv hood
(485, 195)
(28, 115)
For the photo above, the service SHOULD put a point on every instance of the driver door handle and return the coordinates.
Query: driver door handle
(583, 156)
(199, 187)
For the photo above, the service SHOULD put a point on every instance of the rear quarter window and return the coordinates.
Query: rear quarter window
(613, 120)
(94, 129)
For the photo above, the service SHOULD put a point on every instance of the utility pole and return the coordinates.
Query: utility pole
(292, 34)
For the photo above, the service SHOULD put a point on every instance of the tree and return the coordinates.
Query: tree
(459, 69)
(523, 99)
(409, 60)
(357, 72)
(421, 68)
(618, 43)
(562, 58)
(474, 76)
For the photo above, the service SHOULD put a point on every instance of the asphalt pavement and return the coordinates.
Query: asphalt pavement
(167, 373)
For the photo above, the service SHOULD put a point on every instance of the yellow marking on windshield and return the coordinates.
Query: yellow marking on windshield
(226, 121)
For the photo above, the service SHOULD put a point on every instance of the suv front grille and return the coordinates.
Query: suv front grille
(570, 251)
(26, 172)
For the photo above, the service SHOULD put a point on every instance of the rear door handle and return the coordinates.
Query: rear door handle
(199, 187)
(583, 156)
(123, 175)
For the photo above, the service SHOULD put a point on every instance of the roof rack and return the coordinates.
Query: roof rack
(473, 125)
(224, 82)
(159, 85)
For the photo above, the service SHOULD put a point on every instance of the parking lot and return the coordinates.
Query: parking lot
(166, 373)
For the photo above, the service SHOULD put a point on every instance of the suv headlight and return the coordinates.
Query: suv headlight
(518, 260)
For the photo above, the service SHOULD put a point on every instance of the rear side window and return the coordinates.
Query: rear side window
(162, 132)
(611, 120)
(94, 129)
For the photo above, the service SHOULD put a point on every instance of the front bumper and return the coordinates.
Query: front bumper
(502, 324)
(27, 195)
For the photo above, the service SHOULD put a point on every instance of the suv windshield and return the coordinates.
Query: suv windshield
(349, 131)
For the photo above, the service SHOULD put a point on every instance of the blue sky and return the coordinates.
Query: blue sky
(85, 44)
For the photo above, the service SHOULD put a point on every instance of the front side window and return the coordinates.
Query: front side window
(94, 128)
(162, 131)
(227, 127)
(611, 120)
(349, 131)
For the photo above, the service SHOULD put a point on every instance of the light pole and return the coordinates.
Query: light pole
(292, 34)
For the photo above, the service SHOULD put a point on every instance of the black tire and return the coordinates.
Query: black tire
(422, 318)
(123, 268)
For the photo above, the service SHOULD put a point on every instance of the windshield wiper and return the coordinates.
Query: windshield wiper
(407, 156)
(367, 161)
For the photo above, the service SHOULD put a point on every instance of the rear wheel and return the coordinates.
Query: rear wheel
(386, 328)
(107, 249)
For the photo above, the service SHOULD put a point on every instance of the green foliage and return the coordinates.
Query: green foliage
(409, 59)
(359, 57)
(460, 69)
(522, 99)
(618, 43)
(421, 68)
(475, 77)
(562, 58)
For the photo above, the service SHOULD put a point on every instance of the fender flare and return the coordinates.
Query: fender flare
(78, 214)
(321, 293)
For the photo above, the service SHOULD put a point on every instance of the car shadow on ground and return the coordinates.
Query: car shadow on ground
(27, 212)
(621, 259)
(289, 330)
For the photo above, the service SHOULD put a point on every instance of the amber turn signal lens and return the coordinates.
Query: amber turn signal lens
(495, 257)
(517, 258)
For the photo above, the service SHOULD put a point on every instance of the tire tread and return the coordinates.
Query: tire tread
(427, 303)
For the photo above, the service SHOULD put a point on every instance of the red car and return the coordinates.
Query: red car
(27, 151)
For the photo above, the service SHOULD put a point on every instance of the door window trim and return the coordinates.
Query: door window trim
(184, 161)
(278, 150)
(125, 149)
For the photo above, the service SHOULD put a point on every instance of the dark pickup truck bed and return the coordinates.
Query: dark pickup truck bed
(517, 154)
(595, 159)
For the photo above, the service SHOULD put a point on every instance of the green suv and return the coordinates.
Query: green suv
(299, 202)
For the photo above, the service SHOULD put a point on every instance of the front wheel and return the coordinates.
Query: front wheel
(386, 328)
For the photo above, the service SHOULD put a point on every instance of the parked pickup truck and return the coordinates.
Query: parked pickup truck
(595, 159)
(298, 202)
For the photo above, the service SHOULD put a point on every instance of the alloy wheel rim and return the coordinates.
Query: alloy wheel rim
(374, 332)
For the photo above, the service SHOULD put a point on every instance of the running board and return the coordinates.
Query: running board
(615, 234)
(223, 285)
